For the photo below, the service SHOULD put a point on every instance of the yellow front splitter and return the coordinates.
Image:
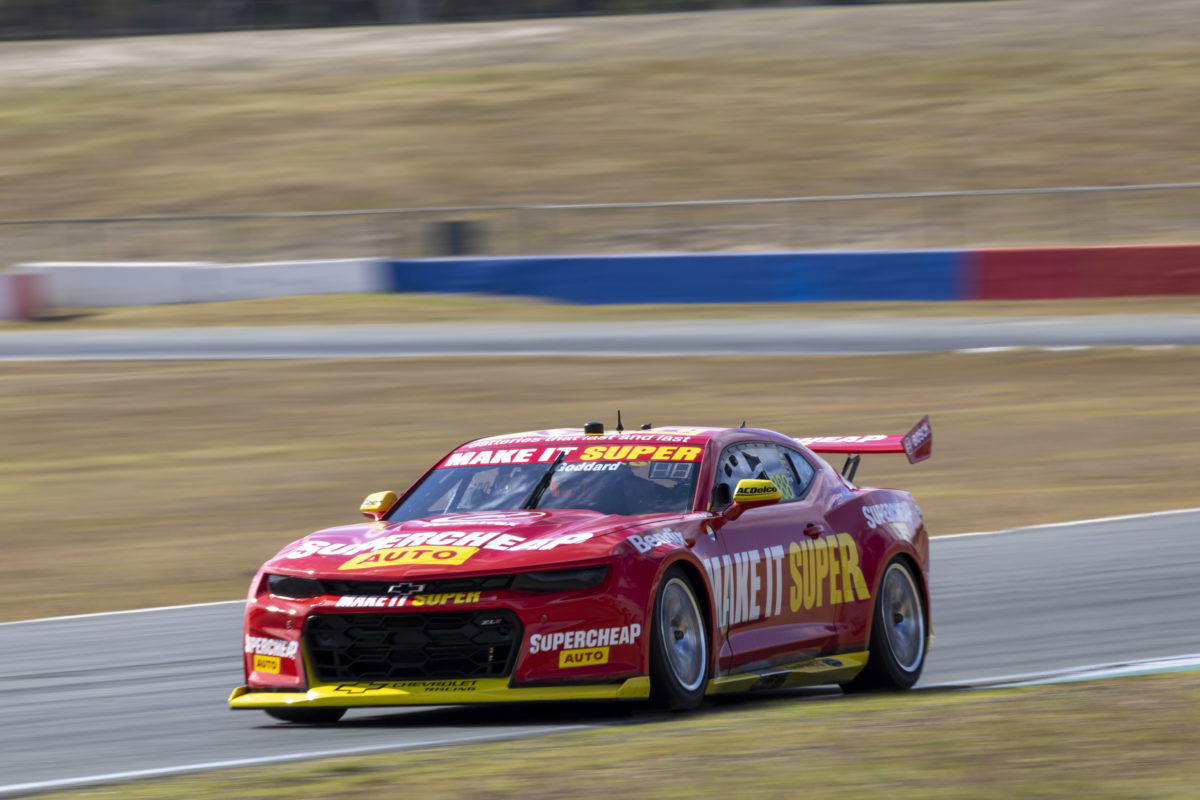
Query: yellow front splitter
(424, 693)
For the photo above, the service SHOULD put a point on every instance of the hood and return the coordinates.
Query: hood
(463, 544)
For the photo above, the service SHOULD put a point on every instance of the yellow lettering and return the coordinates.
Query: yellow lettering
(408, 555)
(686, 454)
(810, 585)
(594, 453)
(663, 453)
(796, 592)
(821, 553)
(835, 590)
(852, 577)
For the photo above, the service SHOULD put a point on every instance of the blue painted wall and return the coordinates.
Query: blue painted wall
(697, 278)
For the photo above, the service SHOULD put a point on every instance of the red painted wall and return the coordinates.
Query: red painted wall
(1032, 273)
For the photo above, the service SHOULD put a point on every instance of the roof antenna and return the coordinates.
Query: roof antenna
(647, 426)
(743, 424)
(620, 427)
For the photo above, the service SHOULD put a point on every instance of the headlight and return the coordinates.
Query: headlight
(562, 580)
(287, 586)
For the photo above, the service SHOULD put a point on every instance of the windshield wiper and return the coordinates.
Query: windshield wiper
(543, 482)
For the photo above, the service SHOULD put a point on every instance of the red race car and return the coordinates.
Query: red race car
(664, 563)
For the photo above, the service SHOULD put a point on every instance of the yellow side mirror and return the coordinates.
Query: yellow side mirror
(752, 493)
(378, 504)
(757, 491)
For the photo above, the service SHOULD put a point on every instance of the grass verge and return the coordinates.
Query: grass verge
(364, 309)
(811, 101)
(1108, 740)
(136, 484)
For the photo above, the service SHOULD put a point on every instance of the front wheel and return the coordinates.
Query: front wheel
(678, 644)
(899, 634)
(311, 716)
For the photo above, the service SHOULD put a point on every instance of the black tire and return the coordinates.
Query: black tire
(679, 644)
(899, 634)
(310, 716)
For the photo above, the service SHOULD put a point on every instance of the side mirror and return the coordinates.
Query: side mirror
(752, 493)
(378, 504)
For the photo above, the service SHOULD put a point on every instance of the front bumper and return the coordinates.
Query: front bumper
(437, 692)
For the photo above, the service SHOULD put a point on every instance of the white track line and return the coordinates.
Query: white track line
(1085, 672)
(1069, 524)
(14, 789)
(944, 537)
(125, 611)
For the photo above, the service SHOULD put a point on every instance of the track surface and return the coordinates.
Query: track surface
(142, 691)
(708, 337)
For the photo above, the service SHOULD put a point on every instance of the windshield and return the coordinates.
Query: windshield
(609, 487)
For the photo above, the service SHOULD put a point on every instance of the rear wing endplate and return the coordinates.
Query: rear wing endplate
(917, 445)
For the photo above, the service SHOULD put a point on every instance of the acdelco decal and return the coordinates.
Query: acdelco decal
(591, 638)
(396, 556)
(832, 560)
(750, 585)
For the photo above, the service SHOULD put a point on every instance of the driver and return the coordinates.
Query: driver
(619, 491)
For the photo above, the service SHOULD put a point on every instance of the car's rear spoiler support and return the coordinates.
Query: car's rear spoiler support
(850, 468)
(917, 445)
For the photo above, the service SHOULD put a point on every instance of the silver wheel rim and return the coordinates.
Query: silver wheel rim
(683, 635)
(903, 618)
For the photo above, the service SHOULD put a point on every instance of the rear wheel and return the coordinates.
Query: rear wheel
(678, 644)
(312, 716)
(899, 634)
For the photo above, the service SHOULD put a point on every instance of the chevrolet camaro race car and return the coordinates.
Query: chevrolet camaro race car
(665, 563)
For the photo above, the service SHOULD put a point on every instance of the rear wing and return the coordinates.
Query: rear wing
(917, 445)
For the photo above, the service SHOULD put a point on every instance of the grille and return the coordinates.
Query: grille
(442, 645)
(447, 585)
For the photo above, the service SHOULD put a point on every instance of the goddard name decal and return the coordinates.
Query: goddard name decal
(751, 585)
(259, 646)
(427, 547)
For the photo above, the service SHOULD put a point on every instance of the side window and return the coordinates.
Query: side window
(733, 466)
(758, 460)
(805, 471)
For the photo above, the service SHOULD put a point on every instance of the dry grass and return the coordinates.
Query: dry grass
(760, 103)
(1127, 739)
(135, 484)
(396, 308)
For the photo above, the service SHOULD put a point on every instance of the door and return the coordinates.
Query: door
(761, 601)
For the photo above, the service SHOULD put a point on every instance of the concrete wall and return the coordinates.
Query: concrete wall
(85, 285)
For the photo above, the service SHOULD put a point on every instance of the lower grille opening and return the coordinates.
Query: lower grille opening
(413, 646)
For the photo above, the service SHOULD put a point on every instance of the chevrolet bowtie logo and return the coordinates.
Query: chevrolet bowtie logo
(406, 589)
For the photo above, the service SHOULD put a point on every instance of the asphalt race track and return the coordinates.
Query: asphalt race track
(690, 337)
(112, 694)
